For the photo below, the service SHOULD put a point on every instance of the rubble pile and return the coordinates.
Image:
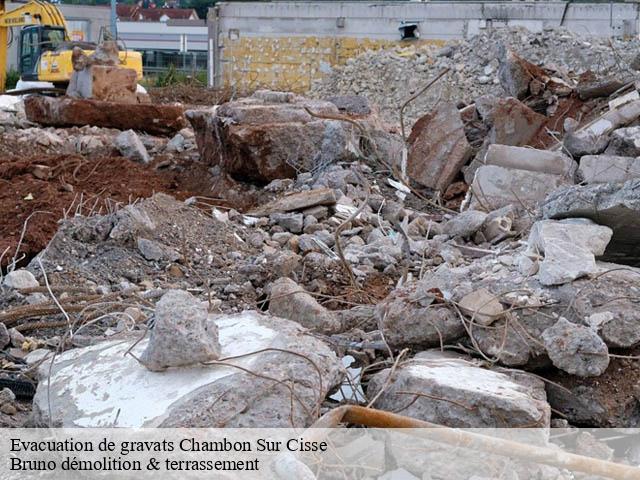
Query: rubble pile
(480, 269)
(388, 77)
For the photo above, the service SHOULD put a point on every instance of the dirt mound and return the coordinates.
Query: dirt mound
(75, 185)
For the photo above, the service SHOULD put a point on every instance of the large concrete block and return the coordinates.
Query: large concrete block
(608, 168)
(438, 148)
(68, 112)
(615, 205)
(447, 390)
(494, 187)
(543, 161)
(101, 386)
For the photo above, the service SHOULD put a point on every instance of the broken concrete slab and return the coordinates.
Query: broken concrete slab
(612, 204)
(576, 349)
(155, 251)
(494, 187)
(289, 300)
(438, 147)
(5, 337)
(273, 135)
(515, 73)
(297, 201)
(107, 83)
(130, 146)
(531, 159)
(624, 142)
(452, 391)
(100, 386)
(608, 168)
(569, 248)
(413, 315)
(482, 306)
(68, 112)
(180, 335)
(512, 122)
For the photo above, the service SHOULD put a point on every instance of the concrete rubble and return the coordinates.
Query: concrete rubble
(247, 259)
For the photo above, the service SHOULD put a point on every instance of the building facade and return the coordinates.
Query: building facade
(286, 45)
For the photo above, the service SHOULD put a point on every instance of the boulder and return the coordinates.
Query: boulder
(576, 349)
(450, 390)
(569, 248)
(465, 224)
(614, 205)
(438, 147)
(181, 334)
(494, 187)
(100, 386)
(289, 300)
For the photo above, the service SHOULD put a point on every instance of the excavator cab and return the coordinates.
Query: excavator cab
(34, 41)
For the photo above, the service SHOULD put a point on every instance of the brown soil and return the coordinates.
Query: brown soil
(77, 185)
(189, 94)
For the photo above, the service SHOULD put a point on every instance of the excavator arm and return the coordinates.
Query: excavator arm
(35, 12)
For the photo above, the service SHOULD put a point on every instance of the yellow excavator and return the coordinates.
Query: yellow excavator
(45, 47)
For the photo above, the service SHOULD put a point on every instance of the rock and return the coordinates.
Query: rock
(100, 386)
(297, 201)
(289, 300)
(576, 349)
(155, 251)
(512, 122)
(465, 224)
(285, 263)
(499, 223)
(482, 306)
(260, 139)
(292, 222)
(176, 144)
(19, 279)
(5, 338)
(543, 161)
(624, 142)
(17, 339)
(408, 316)
(438, 148)
(583, 143)
(515, 73)
(611, 204)
(569, 248)
(451, 391)
(154, 119)
(181, 335)
(7, 396)
(129, 145)
(608, 168)
(106, 83)
(494, 187)
(8, 409)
